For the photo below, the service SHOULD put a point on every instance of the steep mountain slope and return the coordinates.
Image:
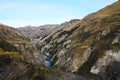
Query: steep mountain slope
(11, 34)
(45, 30)
(14, 40)
(89, 45)
(16, 50)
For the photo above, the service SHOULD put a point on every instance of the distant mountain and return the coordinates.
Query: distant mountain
(37, 32)
(42, 31)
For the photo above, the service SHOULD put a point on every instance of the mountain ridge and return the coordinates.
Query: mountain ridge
(44, 30)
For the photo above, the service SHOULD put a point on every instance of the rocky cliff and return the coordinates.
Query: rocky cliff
(89, 45)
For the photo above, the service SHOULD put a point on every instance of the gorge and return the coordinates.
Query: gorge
(86, 49)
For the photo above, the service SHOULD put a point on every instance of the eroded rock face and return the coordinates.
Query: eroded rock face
(101, 64)
(78, 62)
(88, 45)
